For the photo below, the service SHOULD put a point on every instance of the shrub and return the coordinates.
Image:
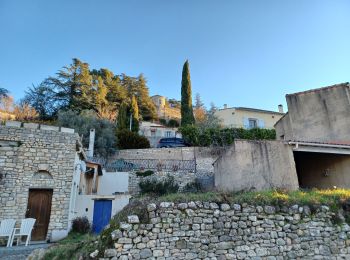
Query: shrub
(173, 123)
(162, 121)
(216, 136)
(81, 225)
(131, 140)
(193, 187)
(145, 173)
(159, 187)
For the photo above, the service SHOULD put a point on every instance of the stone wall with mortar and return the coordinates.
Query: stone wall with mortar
(36, 156)
(204, 157)
(203, 230)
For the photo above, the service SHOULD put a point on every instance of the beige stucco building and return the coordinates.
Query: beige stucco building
(248, 117)
(165, 110)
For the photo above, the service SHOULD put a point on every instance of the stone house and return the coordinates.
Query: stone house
(248, 118)
(37, 164)
(312, 149)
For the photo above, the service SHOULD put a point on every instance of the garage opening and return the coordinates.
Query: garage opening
(322, 170)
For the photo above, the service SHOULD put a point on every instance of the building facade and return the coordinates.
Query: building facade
(37, 164)
(244, 117)
(165, 110)
(312, 149)
(154, 132)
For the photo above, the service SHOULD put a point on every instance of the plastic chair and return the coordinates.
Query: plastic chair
(6, 229)
(26, 228)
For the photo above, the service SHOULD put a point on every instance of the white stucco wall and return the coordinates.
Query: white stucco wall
(85, 204)
(111, 182)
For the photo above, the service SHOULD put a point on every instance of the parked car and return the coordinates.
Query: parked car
(171, 142)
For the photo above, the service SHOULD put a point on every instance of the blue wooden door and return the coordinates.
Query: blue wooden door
(102, 215)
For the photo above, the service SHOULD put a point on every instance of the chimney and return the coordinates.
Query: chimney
(280, 108)
(91, 143)
(225, 106)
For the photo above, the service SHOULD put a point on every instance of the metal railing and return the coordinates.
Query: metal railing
(122, 165)
(151, 164)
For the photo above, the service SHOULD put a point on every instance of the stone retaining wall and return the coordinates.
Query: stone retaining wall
(203, 230)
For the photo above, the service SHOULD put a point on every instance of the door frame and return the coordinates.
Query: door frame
(93, 212)
(50, 190)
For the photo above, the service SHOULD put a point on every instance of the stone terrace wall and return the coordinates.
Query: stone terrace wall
(36, 157)
(204, 156)
(198, 230)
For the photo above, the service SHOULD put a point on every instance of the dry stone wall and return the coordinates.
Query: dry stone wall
(36, 157)
(203, 230)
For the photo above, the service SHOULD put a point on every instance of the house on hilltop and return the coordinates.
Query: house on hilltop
(248, 118)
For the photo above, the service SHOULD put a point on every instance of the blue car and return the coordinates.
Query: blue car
(171, 142)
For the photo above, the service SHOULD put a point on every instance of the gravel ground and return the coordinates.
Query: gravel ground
(19, 252)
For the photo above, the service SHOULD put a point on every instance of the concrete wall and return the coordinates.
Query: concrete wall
(24, 153)
(322, 171)
(232, 117)
(111, 182)
(257, 165)
(318, 115)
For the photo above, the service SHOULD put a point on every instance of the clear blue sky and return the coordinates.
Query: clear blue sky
(243, 53)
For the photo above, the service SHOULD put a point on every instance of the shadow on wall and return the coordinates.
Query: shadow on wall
(322, 170)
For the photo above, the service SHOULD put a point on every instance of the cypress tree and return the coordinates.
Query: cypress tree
(122, 121)
(187, 117)
(135, 115)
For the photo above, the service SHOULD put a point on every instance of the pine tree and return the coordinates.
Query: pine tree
(187, 117)
(122, 122)
(135, 115)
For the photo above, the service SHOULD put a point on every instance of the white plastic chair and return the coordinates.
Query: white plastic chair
(6, 229)
(26, 228)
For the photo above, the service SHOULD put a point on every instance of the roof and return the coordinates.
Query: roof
(99, 166)
(254, 110)
(328, 143)
(280, 119)
(340, 85)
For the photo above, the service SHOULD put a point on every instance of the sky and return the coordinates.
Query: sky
(242, 53)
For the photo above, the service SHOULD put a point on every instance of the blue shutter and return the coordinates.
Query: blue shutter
(261, 123)
(246, 122)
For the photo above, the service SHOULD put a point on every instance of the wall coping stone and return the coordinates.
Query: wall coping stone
(18, 124)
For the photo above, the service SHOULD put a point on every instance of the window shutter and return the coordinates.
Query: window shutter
(245, 122)
(261, 123)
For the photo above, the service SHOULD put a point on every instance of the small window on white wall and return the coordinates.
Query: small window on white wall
(168, 134)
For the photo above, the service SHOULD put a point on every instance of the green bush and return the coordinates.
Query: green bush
(145, 173)
(193, 187)
(162, 121)
(159, 187)
(131, 140)
(198, 136)
(81, 225)
(173, 123)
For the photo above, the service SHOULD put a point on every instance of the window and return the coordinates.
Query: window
(253, 123)
(153, 132)
(168, 134)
